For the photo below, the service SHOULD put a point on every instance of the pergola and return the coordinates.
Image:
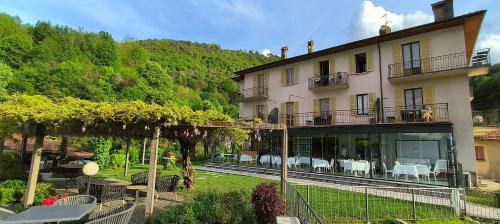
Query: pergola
(38, 116)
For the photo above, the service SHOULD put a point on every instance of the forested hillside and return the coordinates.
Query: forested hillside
(486, 90)
(58, 61)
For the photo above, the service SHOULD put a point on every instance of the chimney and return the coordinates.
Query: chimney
(442, 10)
(284, 52)
(310, 46)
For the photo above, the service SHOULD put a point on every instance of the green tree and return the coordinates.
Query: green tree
(5, 77)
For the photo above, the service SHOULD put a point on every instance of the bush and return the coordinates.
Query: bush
(42, 191)
(19, 187)
(168, 164)
(135, 155)
(7, 196)
(210, 207)
(118, 159)
(101, 148)
(11, 167)
(267, 203)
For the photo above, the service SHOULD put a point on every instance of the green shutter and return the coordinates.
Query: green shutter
(353, 104)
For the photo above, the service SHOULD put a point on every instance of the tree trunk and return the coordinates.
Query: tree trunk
(188, 172)
(63, 148)
(2, 142)
(24, 144)
(206, 147)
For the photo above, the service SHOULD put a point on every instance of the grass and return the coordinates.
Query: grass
(331, 204)
(481, 197)
(205, 181)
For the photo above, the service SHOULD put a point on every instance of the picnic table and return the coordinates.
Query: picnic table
(56, 213)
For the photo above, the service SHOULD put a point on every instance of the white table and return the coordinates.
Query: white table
(414, 170)
(265, 159)
(56, 213)
(320, 163)
(354, 166)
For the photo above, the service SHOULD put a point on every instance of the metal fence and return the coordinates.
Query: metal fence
(486, 118)
(298, 207)
(483, 205)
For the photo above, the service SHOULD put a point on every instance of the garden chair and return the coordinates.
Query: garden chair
(82, 182)
(106, 193)
(141, 178)
(166, 184)
(118, 214)
(384, 167)
(77, 200)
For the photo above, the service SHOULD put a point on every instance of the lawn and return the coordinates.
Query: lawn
(205, 181)
(482, 197)
(331, 204)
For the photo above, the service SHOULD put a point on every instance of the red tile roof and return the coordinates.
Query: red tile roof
(49, 146)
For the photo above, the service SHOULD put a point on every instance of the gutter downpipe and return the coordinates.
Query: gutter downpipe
(380, 76)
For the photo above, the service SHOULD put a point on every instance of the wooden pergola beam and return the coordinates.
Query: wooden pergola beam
(29, 195)
(127, 157)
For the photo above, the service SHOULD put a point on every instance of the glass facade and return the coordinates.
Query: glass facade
(419, 157)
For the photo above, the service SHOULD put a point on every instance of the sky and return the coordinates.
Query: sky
(259, 25)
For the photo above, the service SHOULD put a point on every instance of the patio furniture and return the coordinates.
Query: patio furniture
(48, 214)
(77, 200)
(141, 178)
(320, 163)
(385, 170)
(136, 189)
(105, 192)
(166, 184)
(4, 213)
(414, 170)
(118, 214)
(247, 158)
(82, 183)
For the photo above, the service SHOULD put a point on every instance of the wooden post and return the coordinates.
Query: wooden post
(29, 194)
(144, 149)
(127, 157)
(149, 203)
(284, 162)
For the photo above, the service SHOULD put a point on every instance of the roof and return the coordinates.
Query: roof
(49, 146)
(487, 133)
(455, 21)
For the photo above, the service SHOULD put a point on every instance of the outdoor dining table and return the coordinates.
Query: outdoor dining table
(51, 214)
(414, 170)
(320, 163)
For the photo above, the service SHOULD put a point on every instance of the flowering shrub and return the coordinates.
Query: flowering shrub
(267, 203)
(52, 199)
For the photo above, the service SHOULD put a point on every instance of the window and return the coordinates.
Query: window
(261, 84)
(360, 62)
(413, 99)
(411, 57)
(479, 152)
(260, 111)
(362, 104)
(324, 106)
(289, 108)
(290, 79)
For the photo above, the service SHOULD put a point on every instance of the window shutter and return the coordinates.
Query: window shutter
(425, 54)
(397, 59)
(428, 92)
(254, 111)
(282, 112)
(316, 68)
(283, 77)
(266, 79)
(332, 66)
(371, 103)
(353, 104)
(332, 110)
(480, 152)
(399, 102)
(296, 115)
(369, 60)
(352, 64)
(255, 84)
(296, 73)
(316, 107)
(265, 112)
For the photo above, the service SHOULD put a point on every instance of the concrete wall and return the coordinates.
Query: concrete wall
(490, 167)
(453, 90)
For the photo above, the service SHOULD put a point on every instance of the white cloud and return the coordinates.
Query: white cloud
(240, 7)
(266, 52)
(491, 41)
(368, 19)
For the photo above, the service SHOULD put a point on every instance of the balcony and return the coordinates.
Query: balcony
(432, 113)
(486, 118)
(470, 63)
(339, 80)
(258, 93)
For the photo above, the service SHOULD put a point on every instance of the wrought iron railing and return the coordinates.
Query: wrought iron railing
(261, 91)
(461, 60)
(298, 207)
(486, 118)
(419, 114)
(339, 78)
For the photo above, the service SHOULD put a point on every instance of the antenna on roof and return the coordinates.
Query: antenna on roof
(385, 19)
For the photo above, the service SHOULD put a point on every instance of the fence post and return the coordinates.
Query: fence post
(455, 200)
(366, 205)
(414, 205)
(307, 194)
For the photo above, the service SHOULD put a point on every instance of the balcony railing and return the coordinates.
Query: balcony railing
(256, 93)
(420, 114)
(339, 79)
(461, 60)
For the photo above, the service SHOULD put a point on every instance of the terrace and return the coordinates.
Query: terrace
(339, 80)
(256, 93)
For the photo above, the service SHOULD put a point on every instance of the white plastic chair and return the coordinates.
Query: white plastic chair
(435, 171)
(385, 170)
